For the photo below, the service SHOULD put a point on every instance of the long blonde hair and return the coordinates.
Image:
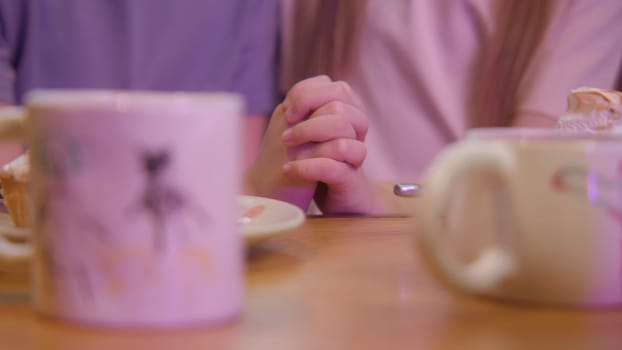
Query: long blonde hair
(335, 28)
(521, 26)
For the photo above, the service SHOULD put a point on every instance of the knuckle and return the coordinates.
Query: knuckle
(363, 152)
(344, 88)
(295, 94)
(324, 77)
(361, 155)
(353, 152)
(336, 107)
(342, 147)
(364, 127)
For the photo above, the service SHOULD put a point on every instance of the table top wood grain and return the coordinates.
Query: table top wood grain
(335, 283)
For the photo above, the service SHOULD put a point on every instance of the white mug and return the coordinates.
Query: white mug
(134, 214)
(553, 219)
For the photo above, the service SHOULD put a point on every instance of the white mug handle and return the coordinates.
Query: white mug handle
(12, 127)
(453, 166)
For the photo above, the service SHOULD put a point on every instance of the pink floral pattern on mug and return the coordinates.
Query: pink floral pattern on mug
(602, 192)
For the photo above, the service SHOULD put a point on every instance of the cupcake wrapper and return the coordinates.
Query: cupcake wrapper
(16, 199)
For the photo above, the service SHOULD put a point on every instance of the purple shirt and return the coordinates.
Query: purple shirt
(188, 45)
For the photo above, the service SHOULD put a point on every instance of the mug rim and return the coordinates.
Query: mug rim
(538, 134)
(119, 99)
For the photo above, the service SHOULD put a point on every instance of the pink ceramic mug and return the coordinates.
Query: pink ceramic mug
(553, 217)
(135, 206)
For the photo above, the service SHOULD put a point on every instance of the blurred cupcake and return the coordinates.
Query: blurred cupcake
(14, 181)
(593, 110)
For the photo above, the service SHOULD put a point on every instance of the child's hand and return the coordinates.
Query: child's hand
(325, 140)
(316, 136)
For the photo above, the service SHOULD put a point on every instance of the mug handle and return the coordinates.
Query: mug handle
(454, 166)
(12, 128)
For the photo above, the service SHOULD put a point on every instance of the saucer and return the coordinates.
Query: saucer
(9, 230)
(262, 218)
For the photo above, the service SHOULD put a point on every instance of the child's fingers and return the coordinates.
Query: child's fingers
(310, 82)
(302, 87)
(349, 151)
(302, 101)
(355, 116)
(319, 129)
(325, 170)
(347, 189)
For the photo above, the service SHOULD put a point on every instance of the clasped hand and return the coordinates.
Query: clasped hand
(313, 148)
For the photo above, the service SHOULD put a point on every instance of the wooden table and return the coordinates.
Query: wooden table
(336, 283)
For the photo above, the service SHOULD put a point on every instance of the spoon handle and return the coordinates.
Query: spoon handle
(406, 189)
